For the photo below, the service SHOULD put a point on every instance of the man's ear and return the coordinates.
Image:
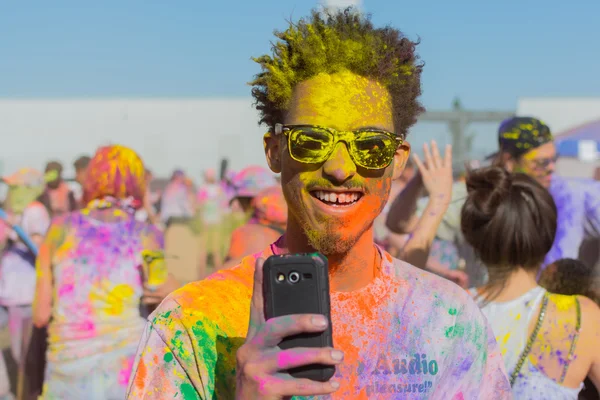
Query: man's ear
(273, 151)
(400, 159)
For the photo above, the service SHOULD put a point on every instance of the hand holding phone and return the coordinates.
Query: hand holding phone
(261, 364)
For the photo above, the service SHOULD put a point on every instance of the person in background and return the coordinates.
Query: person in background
(383, 236)
(549, 342)
(573, 277)
(178, 200)
(148, 213)
(80, 166)
(267, 224)
(245, 186)
(17, 262)
(570, 276)
(248, 183)
(210, 199)
(58, 197)
(90, 282)
(525, 145)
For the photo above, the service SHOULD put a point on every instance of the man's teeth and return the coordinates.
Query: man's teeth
(340, 198)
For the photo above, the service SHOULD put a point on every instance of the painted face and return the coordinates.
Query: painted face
(336, 201)
(539, 163)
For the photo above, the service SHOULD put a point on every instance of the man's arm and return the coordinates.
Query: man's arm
(436, 173)
(42, 303)
(402, 216)
(592, 210)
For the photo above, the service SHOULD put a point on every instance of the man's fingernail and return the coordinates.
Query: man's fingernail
(337, 355)
(335, 384)
(319, 320)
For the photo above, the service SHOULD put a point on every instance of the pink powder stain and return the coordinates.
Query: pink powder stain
(264, 384)
(125, 372)
(65, 289)
(88, 326)
(285, 360)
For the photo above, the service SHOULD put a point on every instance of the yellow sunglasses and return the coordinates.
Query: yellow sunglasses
(368, 148)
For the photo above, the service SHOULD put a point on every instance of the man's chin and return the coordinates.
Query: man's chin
(331, 243)
(545, 181)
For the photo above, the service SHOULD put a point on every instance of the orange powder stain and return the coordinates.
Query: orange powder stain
(140, 375)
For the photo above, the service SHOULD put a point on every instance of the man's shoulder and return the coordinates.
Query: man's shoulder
(222, 299)
(561, 185)
(423, 282)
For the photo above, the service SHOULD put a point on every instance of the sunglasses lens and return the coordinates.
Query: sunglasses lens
(310, 145)
(373, 150)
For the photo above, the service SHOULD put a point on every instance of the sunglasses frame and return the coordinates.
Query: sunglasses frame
(338, 136)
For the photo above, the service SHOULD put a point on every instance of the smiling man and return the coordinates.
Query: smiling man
(338, 97)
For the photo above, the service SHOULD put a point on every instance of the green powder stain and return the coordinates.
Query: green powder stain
(455, 331)
(188, 392)
(452, 311)
(168, 357)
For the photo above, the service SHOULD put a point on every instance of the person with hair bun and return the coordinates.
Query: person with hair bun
(526, 145)
(549, 341)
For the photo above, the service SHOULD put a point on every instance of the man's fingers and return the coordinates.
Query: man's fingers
(257, 316)
(284, 385)
(435, 152)
(275, 330)
(299, 357)
(419, 163)
(448, 156)
(427, 155)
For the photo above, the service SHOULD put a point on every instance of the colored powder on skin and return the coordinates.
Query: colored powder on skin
(345, 100)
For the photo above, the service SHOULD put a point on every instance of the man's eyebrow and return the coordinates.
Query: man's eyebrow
(375, 128)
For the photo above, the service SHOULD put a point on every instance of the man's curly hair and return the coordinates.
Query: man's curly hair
(331, 42)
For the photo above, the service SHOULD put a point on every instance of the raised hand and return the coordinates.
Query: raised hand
(436, 172)
(260, 363)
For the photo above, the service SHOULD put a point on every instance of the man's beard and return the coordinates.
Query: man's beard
(329, 241)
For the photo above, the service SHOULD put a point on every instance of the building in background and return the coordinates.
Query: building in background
(191, 134)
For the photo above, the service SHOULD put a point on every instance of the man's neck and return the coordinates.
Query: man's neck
(347, 272)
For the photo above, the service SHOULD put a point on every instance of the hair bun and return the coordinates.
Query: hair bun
(488, 188)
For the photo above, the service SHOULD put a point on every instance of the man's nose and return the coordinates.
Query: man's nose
(339, 167)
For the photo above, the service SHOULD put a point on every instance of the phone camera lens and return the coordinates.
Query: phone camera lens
(294, 277)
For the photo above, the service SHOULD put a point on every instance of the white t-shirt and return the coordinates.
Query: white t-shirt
(17, 274)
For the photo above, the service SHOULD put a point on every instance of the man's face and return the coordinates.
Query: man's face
(539, 163)
(80, 175)
(344, 102)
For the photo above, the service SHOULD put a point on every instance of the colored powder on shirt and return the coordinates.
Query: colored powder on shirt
(393, 334)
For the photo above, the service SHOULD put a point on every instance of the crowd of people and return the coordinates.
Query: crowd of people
(444, 284)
